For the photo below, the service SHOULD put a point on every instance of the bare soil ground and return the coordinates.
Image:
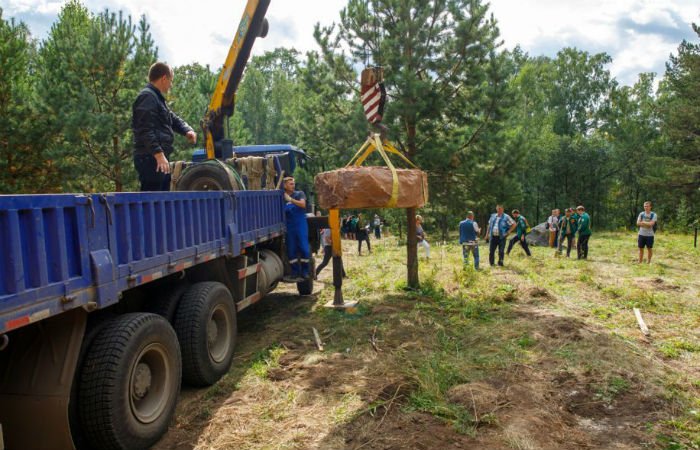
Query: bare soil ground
(544, 353)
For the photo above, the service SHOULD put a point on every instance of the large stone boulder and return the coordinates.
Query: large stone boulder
(539, 236)
(370, 187)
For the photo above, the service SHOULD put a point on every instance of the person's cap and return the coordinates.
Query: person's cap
(287, 178)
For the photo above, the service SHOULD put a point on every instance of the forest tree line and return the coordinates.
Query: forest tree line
(489, 125)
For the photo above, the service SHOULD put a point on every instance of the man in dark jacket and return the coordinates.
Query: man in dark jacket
(153, 124)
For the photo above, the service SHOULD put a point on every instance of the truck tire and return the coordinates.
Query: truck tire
(205, 323)
(129, 383)
(306, 287)
(205, 177)
(165, 303)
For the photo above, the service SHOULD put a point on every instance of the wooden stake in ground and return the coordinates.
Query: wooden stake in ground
(373, 340)
(319, 345)
(640, 321)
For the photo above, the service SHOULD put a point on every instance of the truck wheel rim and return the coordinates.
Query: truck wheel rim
(219, 334)
(206, 184)
(149, 383)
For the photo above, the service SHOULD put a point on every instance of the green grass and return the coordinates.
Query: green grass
(675, 347)
(552, 314)
(475, 334)
(265, 359)
(611, 389)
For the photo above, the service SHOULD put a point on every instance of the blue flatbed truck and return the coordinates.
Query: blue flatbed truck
(109, 301)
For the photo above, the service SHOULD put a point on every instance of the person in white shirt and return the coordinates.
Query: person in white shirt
(327, 251)
(553, 226)
(377, 223)
(420, 235)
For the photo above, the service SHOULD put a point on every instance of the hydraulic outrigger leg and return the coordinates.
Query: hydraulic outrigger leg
(338, 301)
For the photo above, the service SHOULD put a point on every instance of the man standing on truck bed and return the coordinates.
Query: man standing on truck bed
(297, 231)
(153, 124)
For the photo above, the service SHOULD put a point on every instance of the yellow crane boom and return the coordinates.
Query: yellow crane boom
(253, 24)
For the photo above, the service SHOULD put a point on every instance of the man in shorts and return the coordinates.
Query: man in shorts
(646, 221)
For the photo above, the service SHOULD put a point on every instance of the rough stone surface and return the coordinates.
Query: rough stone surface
(539, 236)
(370, 187)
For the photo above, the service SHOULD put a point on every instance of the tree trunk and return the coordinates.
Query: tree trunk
(411, 142)
(411, 249)
(444, 227)
(117, 171)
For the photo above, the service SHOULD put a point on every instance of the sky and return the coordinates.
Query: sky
(639, 34)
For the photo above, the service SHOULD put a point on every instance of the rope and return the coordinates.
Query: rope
(270, 172)
(176, 173)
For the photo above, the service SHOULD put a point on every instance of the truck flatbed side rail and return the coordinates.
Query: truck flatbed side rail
(63, 251)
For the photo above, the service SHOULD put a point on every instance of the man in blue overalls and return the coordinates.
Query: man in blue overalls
(297, 231)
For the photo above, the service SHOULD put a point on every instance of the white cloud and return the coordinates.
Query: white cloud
(203, 33)
(638, 34)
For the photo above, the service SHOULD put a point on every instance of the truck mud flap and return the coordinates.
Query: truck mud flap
(36, 373)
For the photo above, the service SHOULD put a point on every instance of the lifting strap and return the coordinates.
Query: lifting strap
(375, 143)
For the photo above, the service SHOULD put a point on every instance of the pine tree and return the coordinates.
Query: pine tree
(680, 112)
(435, 54)
(89, 94)
(23, 168)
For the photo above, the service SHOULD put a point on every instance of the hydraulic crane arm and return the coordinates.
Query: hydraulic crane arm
(253, 24)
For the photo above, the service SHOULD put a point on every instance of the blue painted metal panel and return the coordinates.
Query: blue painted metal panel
(59, 252)
(44, 257)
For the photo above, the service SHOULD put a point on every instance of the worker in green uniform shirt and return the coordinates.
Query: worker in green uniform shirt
(520, 233)
(584, 232)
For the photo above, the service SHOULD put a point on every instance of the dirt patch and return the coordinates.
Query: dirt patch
(478, 398)
(278, 373)
(549, 329)
(401, 430)
(562, 328)
(389, 424)
(534, 409)
(538, 295)
(524, 407)
(656, 284)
